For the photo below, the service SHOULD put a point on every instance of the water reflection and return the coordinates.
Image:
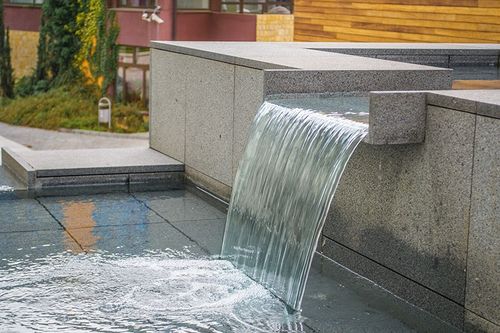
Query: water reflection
(78, 218)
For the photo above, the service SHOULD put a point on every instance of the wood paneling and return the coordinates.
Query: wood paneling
(453, 21)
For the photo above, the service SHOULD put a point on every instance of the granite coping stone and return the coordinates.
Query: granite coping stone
(482, 102)
(266, 55)
(54, 163)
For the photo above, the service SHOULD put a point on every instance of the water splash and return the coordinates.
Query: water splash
(5, 188)
(166, 291)
(282, 192)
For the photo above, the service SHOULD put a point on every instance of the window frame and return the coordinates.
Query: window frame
(32, 3)
(149, 4)
(265, 5)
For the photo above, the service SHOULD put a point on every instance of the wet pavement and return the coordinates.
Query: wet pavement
(135, 224)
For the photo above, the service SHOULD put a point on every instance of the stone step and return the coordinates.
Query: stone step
(49, 172)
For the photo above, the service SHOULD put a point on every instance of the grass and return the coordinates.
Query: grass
(70, 107)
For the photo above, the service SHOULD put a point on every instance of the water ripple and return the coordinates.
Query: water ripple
(153, 292)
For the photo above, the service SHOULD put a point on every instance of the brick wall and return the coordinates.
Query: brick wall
(274, 28)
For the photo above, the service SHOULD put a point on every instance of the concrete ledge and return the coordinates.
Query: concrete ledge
(482, 102)
(116, 169)
(12, 161)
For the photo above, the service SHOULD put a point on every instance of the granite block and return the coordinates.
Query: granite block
(18, 166)
(483, 102)
(428, 60)
(248, 97)
(168, 103)
(473, 60)
(398, 284)
(295, 81)
(157, 181)
(483, 264)
(477, 324)
(407, 206)
(397, 118)
(266, 55)
(45, 182)
(209, 118)
(453, 100)
(489, 109)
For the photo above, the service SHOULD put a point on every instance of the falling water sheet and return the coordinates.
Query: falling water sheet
(282, 192)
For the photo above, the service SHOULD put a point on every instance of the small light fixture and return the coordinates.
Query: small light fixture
(154, 17)
(145, 16)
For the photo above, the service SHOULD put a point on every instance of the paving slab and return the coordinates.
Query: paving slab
(102, 169)
(89, 211)
(50, 163)
(34, 244)
(25, 215)
(181, 205)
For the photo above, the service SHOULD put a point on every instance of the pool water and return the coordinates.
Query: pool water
(147, 262)
(169, 291)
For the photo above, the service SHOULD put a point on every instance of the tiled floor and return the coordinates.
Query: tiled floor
(336, 300)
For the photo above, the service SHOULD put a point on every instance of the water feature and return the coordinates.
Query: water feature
(283, 190)
(169, 291)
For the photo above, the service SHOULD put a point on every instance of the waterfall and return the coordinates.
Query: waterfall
(282, 192)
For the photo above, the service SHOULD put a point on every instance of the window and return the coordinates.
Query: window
(193, 4)
(132, 82)
(136, 3)
(257, 6)
(25, 2)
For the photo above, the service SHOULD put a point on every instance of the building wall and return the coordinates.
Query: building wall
(274, 28)
(458, 21)
(24, 46)
(22, 18)
(24, 23)
(134, 31)
(206, 25)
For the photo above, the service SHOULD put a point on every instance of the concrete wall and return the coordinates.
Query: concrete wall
(200, 123)
(421, 220)
(201, 112)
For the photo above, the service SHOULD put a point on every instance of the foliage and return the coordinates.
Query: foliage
(6, 72)
(70, 106)
(98, 54)
(58, 43)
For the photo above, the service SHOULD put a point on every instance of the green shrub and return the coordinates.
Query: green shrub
(68, 107)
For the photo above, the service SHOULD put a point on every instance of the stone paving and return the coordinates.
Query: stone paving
(336, 300)
(40, 139)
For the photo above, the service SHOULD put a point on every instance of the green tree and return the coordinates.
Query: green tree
(58, 43)
(6, 72)
(98, 55)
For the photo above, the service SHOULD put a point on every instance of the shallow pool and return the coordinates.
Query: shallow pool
(147, 262)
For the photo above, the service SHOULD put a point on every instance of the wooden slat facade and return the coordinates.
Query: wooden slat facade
(452, 21)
